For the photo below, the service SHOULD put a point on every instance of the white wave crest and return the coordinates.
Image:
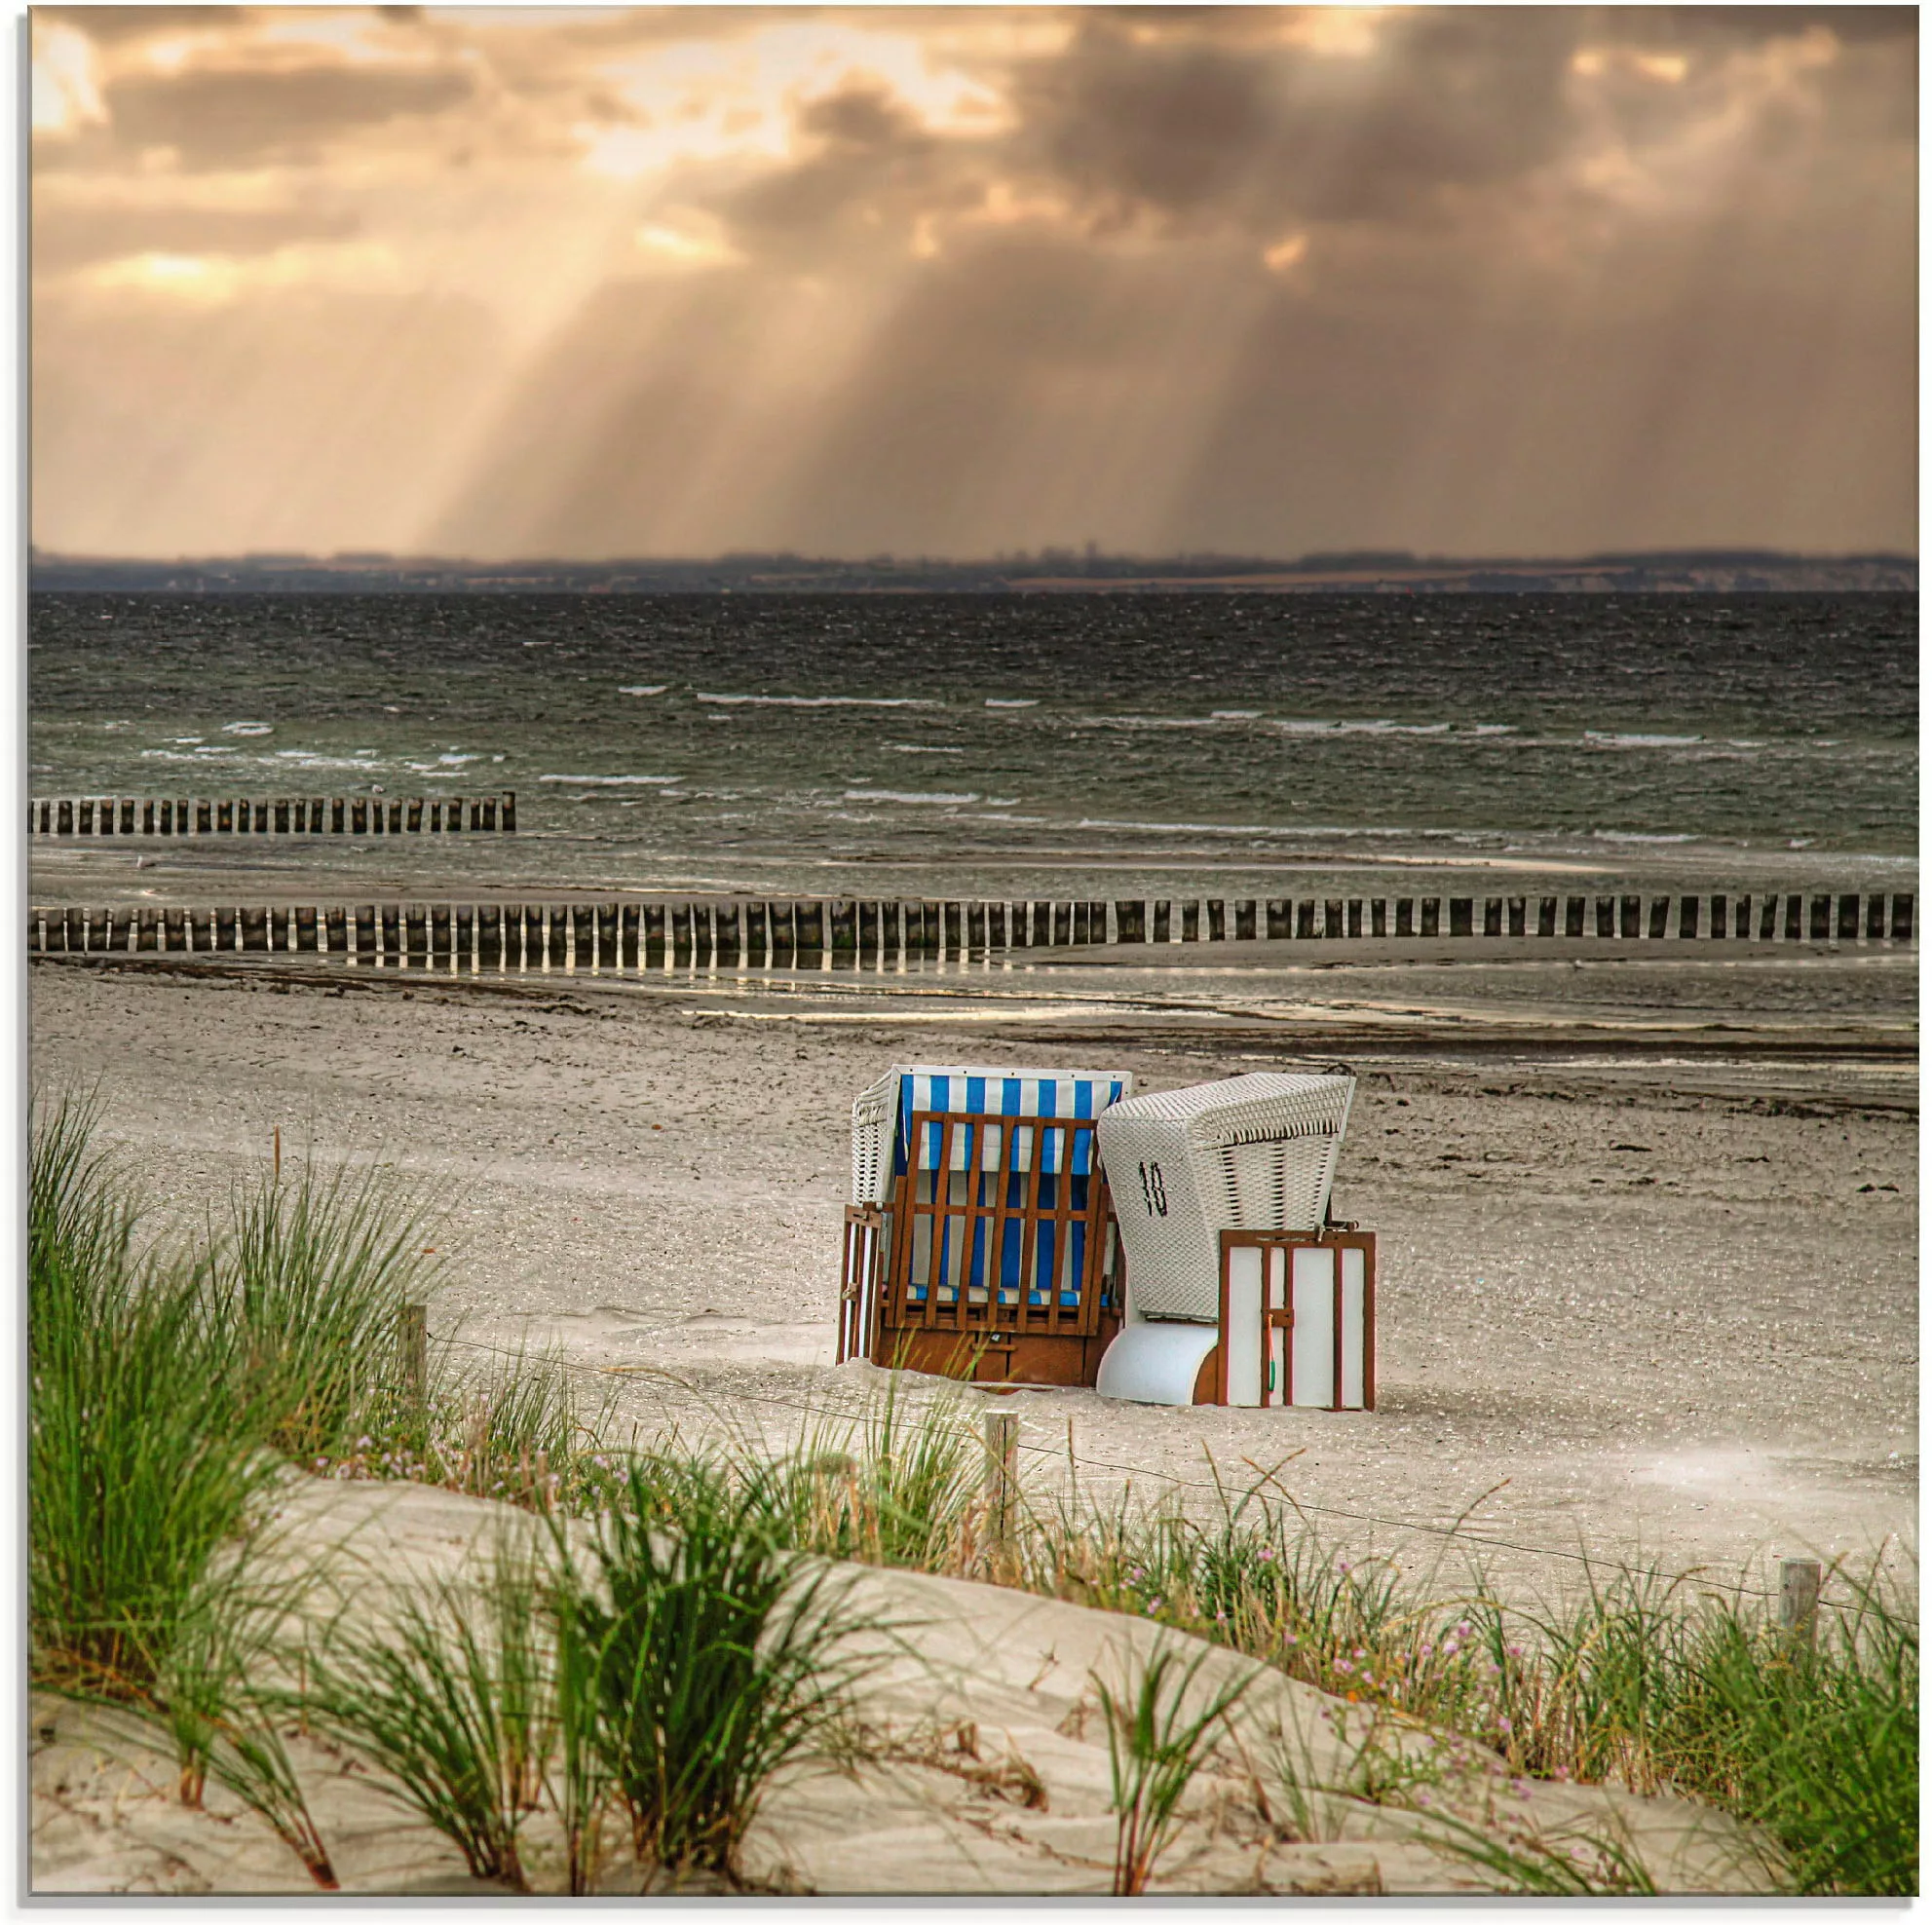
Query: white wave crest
(610, 782)
(1605, 739)
(908, 795)
(822, 702)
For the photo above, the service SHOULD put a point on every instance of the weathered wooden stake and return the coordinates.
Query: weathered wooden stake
(413, 1346)
(1002, 1448)
(1799, 1581)
(278, 1153)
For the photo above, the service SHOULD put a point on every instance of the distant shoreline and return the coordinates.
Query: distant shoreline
(1694, 572)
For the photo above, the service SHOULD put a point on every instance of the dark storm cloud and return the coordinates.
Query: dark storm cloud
(216, 118)
(112, 25)
(868, 170)
(99, 234)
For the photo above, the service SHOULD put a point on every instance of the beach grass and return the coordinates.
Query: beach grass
(717, 1655)
(452, 1699)
(1156, 1742)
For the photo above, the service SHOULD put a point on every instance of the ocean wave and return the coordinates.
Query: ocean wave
(909, 795)
(1634, 836)
(610, 782)
(1249, 829)
(1003, 701)
(645, 689)
(1313, 725)
(1149, 722)
(248, 728)
(921, 748)
(823, 701)
(1233, 715)
(1605, 739)
(298, 760)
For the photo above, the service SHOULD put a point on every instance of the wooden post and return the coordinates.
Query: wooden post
(1799, 1583)
(413, 1349)
(278, 1153)
(1002, 1448)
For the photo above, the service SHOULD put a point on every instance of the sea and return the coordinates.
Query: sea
(1023, 745)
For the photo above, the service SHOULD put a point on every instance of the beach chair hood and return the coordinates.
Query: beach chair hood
(882, 1116)
(1253, 1152)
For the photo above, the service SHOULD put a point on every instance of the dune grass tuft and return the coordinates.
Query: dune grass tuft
(717, 1656)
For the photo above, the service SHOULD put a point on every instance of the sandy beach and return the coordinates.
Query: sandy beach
(1647, 1227)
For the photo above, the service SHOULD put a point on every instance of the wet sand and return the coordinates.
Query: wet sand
(1648, 1226)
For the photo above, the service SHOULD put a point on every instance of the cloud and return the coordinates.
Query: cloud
(99, 234)
(968, 279)
(214, 118)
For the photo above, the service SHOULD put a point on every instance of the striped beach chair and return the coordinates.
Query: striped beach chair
(979, 1239)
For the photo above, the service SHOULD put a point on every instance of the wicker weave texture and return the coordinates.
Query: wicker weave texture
(1253, 1152)
(883, 1110)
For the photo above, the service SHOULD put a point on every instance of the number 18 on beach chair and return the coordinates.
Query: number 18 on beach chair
(1239, 1288)
(979, 1242)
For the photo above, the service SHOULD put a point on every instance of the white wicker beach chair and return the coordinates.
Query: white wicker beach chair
(1255, 1153)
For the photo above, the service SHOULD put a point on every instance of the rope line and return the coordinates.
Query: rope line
(1131, 1471)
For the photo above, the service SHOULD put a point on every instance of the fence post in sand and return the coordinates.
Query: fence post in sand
(1003, 1452)
(413, 1349)
(1800, 1580)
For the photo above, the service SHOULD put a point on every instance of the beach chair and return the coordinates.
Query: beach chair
(979, 1242)
(1239, 1289)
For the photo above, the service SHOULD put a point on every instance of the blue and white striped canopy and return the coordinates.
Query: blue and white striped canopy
(973, 1092)
(1002, 1259)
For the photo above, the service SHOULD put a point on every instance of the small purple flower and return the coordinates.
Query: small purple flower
(1343, 1666)
(1502, 1724)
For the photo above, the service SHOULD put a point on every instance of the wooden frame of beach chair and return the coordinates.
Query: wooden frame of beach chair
(995, 1258)
(1298, 1322)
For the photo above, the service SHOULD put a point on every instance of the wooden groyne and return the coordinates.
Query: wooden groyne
(277, 815)
(843, 933)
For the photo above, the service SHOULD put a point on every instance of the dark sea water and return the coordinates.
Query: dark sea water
(1020, 743)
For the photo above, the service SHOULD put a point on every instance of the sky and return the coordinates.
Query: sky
(582, 282)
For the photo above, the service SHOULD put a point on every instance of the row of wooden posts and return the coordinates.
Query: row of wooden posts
(277, 815)
(844, 933)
